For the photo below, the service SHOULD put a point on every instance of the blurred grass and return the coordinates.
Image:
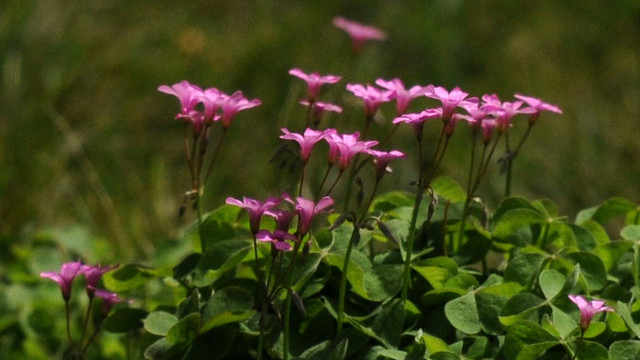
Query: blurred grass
(85, 138)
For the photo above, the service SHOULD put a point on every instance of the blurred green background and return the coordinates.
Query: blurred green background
(86, 139)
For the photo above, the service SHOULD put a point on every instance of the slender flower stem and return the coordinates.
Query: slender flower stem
(324, 179)
(406, 274)
(371, 197)
(287, 319)
(579, 345)
(335, 182)
(216, 151)
(86, 319)
(304, 166)
(511, 156)
(66, 308)
(93, 336)
(343, 279)
(467, 201)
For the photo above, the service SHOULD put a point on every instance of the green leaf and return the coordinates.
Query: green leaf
(563, 323)
(612, 252)
(185, 330)
(524, 267)
(584, 238)
(516, 219)
(393, 200)
(385, 325)
(512, 203)
(612, 208)
(124, 320)
(462, 313)
(625, 350)
(623, 310)
(631, 233)
(161, 349)
(551, 282)
(520, 338)
(591, 350)
(186, 266)
(448, 189)
(591, 268)
(159, 322)
(219, 258)
(228, 305)
(128, 277)
(383, 282)
(519, 308)
(304, 270)
(598, 232)
(434, 344)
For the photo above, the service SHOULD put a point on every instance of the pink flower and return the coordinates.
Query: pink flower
(372, 97)
(108, 300)
(347, 146)
(382, 160)
(283, 218)
(187, 93)
(307, 210)
(306, 141)
(588, 309)
(504, 111)
(211, 99)
(197, 120)
(93, 274)
(358, 32)
(314, 82)
(538, 105)
(450, 100)
(278, 238)
(68, 272)
(402, 95)
(487, 129)
(319, 108)
(233, 104)
(418, 120)
(255, 209)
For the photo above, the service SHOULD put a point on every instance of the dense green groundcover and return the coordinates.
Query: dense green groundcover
(503, 295)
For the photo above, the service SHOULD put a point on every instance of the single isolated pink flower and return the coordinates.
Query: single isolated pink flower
(371, 96)
(68, 272)
(358, 32)
(588, 309)
(314, 82)
(307, 210)
(233, 104)
(319, 108)
(187, 93)
(307, 141)
(450, 100)
(278, 238)
(93, 274)
(255, 209)
(382, 160)
(538, 105)
(402, 96)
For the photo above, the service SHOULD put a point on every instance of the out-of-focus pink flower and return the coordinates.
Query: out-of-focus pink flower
(187, 93)
(233, 104)
(371, 96)
(68, 272)
(588, 309)
(401, 94)
(450, 100)
(255, 209)
(278, 238)
(283, 218)
(196, 119)
(307, 140)
(538, 105)
(347, 146)
(314, 82)
(382, 160)
(108, 300)
(211, 99)
(307, 210)
(487, 129)
(319, 108)
(93, 274)
(358, 32)
(417, 120)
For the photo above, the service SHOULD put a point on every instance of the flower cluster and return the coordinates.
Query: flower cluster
(304, 210)
(216, 105)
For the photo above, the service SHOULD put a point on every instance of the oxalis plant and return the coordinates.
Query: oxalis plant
(331, 269)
